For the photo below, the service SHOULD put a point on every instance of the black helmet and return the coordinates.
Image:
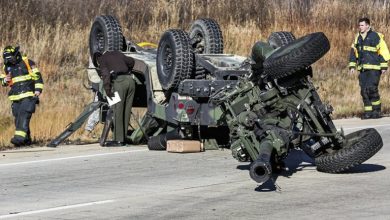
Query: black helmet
(11, 54)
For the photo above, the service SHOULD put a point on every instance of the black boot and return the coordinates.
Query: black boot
(376, 114)
(114, 144)
(367, 115)
(27, 142)
(17, 142)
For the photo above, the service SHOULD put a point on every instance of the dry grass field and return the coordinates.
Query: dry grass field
(54, 33)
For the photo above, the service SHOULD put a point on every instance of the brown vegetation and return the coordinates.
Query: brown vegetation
(55, 35)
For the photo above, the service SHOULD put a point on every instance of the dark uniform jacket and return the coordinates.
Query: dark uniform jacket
(113, 63)
(370, 53)
(25, 79)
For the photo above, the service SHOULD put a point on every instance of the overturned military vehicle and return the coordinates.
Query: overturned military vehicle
(260, 107)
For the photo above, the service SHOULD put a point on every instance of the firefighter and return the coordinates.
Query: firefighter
(369, 55)
(25, 80)
(115, 69)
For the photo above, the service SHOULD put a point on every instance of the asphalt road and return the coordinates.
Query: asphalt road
(90, 182)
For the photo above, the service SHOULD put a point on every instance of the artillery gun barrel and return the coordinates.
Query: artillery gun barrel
(260, 169)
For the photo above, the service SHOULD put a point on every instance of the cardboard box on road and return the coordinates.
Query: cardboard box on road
(184, 146)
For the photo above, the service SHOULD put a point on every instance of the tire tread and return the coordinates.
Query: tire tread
(351, 156)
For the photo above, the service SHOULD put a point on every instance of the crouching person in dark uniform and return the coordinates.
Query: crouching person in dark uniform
(26, 84)
(115, 69)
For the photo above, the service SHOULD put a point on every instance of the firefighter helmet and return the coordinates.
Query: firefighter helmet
(11, 54)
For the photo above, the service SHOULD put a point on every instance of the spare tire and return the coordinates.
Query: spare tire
(360, 146)
(280, 39)
(297, 55)
(175, 59)
(206, 36)
(106, 35)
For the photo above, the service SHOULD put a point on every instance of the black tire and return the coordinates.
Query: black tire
(200, 72)
(295, 80)
(296, 56)
(280, 39)
(175, 59)
(106, 35)
(361, 146)
(159, 142)
(206, 36)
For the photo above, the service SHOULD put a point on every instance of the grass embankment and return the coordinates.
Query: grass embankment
(55, 35)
